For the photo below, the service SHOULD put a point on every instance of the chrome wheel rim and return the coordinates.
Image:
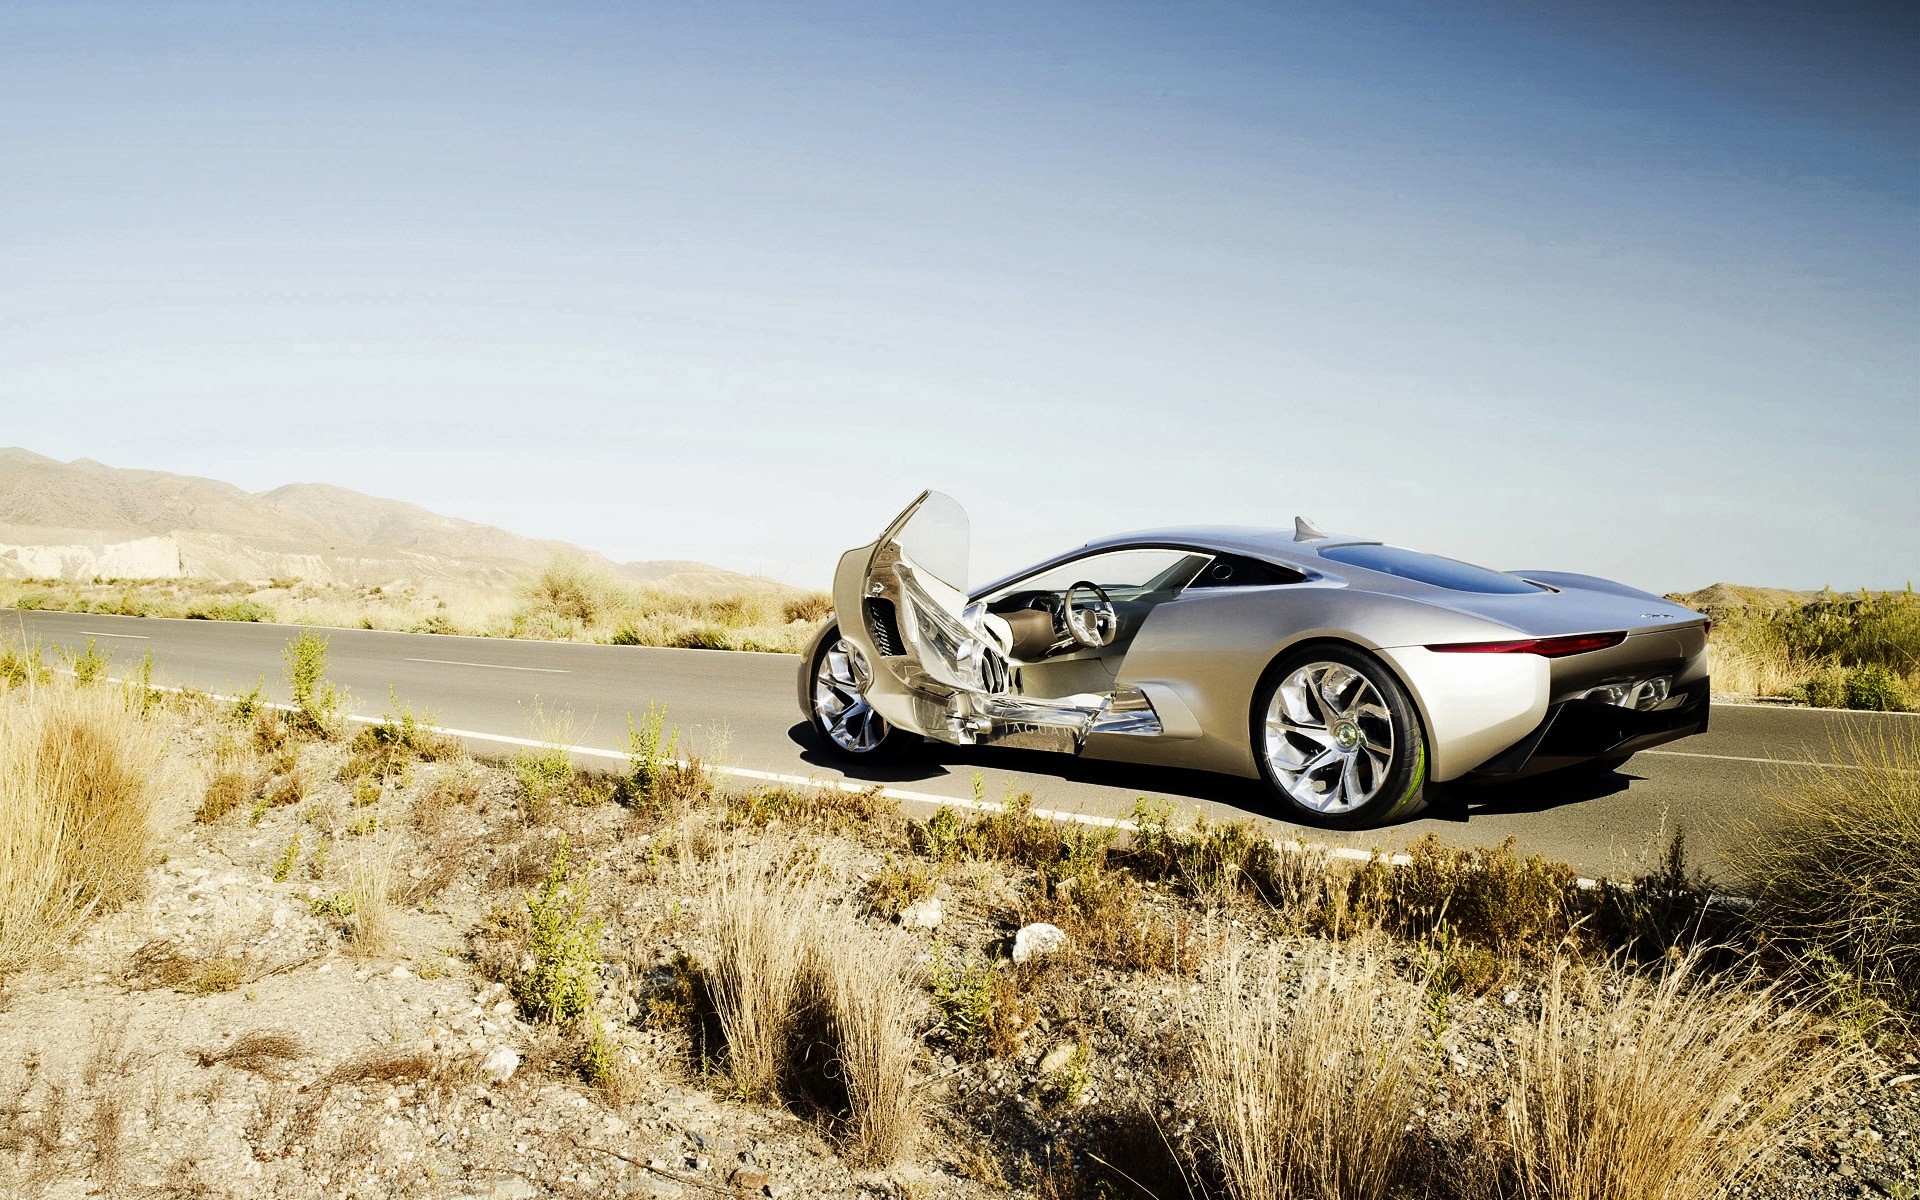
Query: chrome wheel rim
(840, 700)
(1329, 737)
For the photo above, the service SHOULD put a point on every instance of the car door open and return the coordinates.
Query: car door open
(939, 661)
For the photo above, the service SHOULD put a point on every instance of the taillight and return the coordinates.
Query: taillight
(1553, 647)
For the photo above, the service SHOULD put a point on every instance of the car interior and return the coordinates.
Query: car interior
(1049, 661)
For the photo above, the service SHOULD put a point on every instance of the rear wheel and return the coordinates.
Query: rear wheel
(840, 712)
(1338, 740)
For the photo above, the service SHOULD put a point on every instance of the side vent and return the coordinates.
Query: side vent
(883, 626)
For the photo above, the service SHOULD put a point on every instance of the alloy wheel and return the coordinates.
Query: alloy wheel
(1329, 737)
(840, 702)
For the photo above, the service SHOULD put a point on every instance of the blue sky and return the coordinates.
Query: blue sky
(1631, 289)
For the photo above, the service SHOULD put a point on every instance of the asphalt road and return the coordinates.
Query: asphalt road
(739, 710)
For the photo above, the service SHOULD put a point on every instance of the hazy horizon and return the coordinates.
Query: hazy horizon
(1632, 290)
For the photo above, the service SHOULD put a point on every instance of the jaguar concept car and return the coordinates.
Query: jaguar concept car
(1349, 675)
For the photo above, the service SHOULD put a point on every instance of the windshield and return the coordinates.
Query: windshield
(933, 535)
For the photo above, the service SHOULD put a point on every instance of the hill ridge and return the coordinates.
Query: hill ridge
(85, 518)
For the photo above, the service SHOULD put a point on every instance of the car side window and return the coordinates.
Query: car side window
(1123, 573)
(1236, 570)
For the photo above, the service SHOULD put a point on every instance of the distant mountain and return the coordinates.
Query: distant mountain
(83, 519)
(1721, 597)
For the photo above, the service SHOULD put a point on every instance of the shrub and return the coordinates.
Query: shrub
(979, 1004)
(1308, 1087)
(1818, 651)
(89, 665)
(598, 1059)
(231, 786)
(894, 887)
(564, 944)
(316, 702)
(812, 1005)
(545, 773)
(283, 865)
(1876, 689)
(703, 637)
(1489, 896)
(1104, 913)
(447, 793)
(20, 663)
(651, 754)
(566, 588)
(1833, 863)
(400, 733)
(1660, 1086)
(1824, 687)
(823, 806)
(811, 608)
(77, 792)
(230, 610)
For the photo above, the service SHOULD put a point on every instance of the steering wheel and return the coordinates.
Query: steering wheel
(1091, 622)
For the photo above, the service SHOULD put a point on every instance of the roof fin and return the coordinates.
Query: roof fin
(1306, 531)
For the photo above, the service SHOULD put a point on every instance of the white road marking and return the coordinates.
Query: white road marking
(1345, 853)
(1778, 762)
(451, 662)
(138, 637)
(852, 786)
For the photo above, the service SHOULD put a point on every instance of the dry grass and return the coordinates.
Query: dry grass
(1665, 1088)
(446, 795)
(759, 914)
(163, 962)
(1106, 915)
(567, 598)
(564, 599)
(895, 886)
(863, 983)
(370, 925)
(813, 1005)
(384, 1066)
(1309, 1087)
(262, 1051)
(822, 807)
(1833, 863)
(77, 792)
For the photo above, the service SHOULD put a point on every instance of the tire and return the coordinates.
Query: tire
(1338, 740)
(852, 731)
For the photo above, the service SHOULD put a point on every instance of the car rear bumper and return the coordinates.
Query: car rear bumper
(1580, 731)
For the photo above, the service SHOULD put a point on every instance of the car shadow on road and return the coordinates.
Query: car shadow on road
(1537, 793)
(936, 761)
(1457, 802)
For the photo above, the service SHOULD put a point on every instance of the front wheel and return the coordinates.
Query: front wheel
(1338, 740)
(839, 709)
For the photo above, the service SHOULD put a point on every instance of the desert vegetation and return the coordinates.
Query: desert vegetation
(565, 599)
(1830, 649)
(78, 787)
(332, 954)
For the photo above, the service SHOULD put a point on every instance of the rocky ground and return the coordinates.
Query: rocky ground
(313, 999)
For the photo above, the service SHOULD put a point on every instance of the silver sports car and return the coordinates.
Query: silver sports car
(1347, 674)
